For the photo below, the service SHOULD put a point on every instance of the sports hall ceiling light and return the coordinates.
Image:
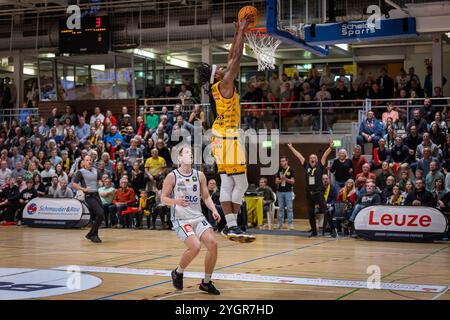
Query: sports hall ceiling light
(177, 62)
(343, 46)
(144, 53)
(47, 55)
(99, 67)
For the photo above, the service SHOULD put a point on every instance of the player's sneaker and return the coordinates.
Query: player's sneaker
(236, 234)
(209, 287)
(177, 279)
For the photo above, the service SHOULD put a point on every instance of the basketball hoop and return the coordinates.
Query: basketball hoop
(263, 46)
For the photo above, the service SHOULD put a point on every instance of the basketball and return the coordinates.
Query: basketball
(252, 12)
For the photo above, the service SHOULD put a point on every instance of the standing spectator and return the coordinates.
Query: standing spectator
(342, 168)
(25, 196)
(314, 186)
(428, 82)
(370, 130)
(386, 84)
(285, 180)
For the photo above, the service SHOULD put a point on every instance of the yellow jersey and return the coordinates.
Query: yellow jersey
(228, 113)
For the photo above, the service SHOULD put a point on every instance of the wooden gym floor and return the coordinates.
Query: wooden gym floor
(270, 255)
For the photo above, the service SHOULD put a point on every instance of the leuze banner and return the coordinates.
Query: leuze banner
(401, 223)
(358, 31)
(57, 213)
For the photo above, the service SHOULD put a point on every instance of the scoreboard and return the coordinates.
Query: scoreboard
(93, 37)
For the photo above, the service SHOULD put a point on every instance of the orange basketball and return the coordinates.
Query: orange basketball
(250, 11)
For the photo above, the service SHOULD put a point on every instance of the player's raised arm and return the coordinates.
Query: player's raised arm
(296, 153)
(234, 63)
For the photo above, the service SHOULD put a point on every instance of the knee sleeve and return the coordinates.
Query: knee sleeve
(240, 187)
(226, 188)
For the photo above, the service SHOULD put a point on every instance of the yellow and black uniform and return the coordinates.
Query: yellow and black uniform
(226, 147)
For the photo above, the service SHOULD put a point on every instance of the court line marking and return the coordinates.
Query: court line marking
(151, 259)
(221, 268)
(175, 294)
(440, 294)
(395, 271)
(270, 279)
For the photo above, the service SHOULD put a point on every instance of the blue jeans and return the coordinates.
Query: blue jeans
(355, 212)
(285, 200)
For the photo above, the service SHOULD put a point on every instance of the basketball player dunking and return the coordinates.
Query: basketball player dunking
(226, 147)
(187, 186)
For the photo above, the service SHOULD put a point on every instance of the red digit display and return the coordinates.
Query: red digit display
(98, 22)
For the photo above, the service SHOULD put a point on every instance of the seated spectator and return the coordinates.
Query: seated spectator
(432, 175)
(160, 134)
(409, 187)
(5, 172)
(370, 198)
(112, 136)
(423, 164)
(388, 190)
(164, 152)
(347, 194)
(418, 122)
(107, 194)
(440, 122)
(124, 197)
(54, 187)
(198, 115)
(435, 152)
(439, 190)
(427, 111)
(25, 196)
(133, 154)
(420, 196)
(142, 129)
(366, 173)
(396, 198)
(82, 130)
(137, 177)
(412, 140)
(390, 113)
(267, 194)
(436, 135)
(389, 137)
(19, 171)
(63, 191)
(109, 121)
(184, 92)
(357, 160)
(399, 152)
(47, 173)
(180, 129)
(155, 167)
(342, 168)
(370, 130)
(330, 192)
(404, 178)
(386, 171)
(380, 155)
(96, 116)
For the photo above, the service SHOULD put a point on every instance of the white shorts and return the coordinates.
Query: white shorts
(186, 228)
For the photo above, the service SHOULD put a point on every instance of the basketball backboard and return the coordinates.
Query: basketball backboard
(286, 20)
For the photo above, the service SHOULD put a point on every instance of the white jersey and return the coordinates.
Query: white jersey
(187, 187)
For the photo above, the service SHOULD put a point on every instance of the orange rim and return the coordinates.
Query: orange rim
(262, 31)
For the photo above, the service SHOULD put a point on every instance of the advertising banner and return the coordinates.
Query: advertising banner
(402, 223)
(52, 212)
(358, 31)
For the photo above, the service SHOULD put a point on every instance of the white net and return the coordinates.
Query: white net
(264, 47)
